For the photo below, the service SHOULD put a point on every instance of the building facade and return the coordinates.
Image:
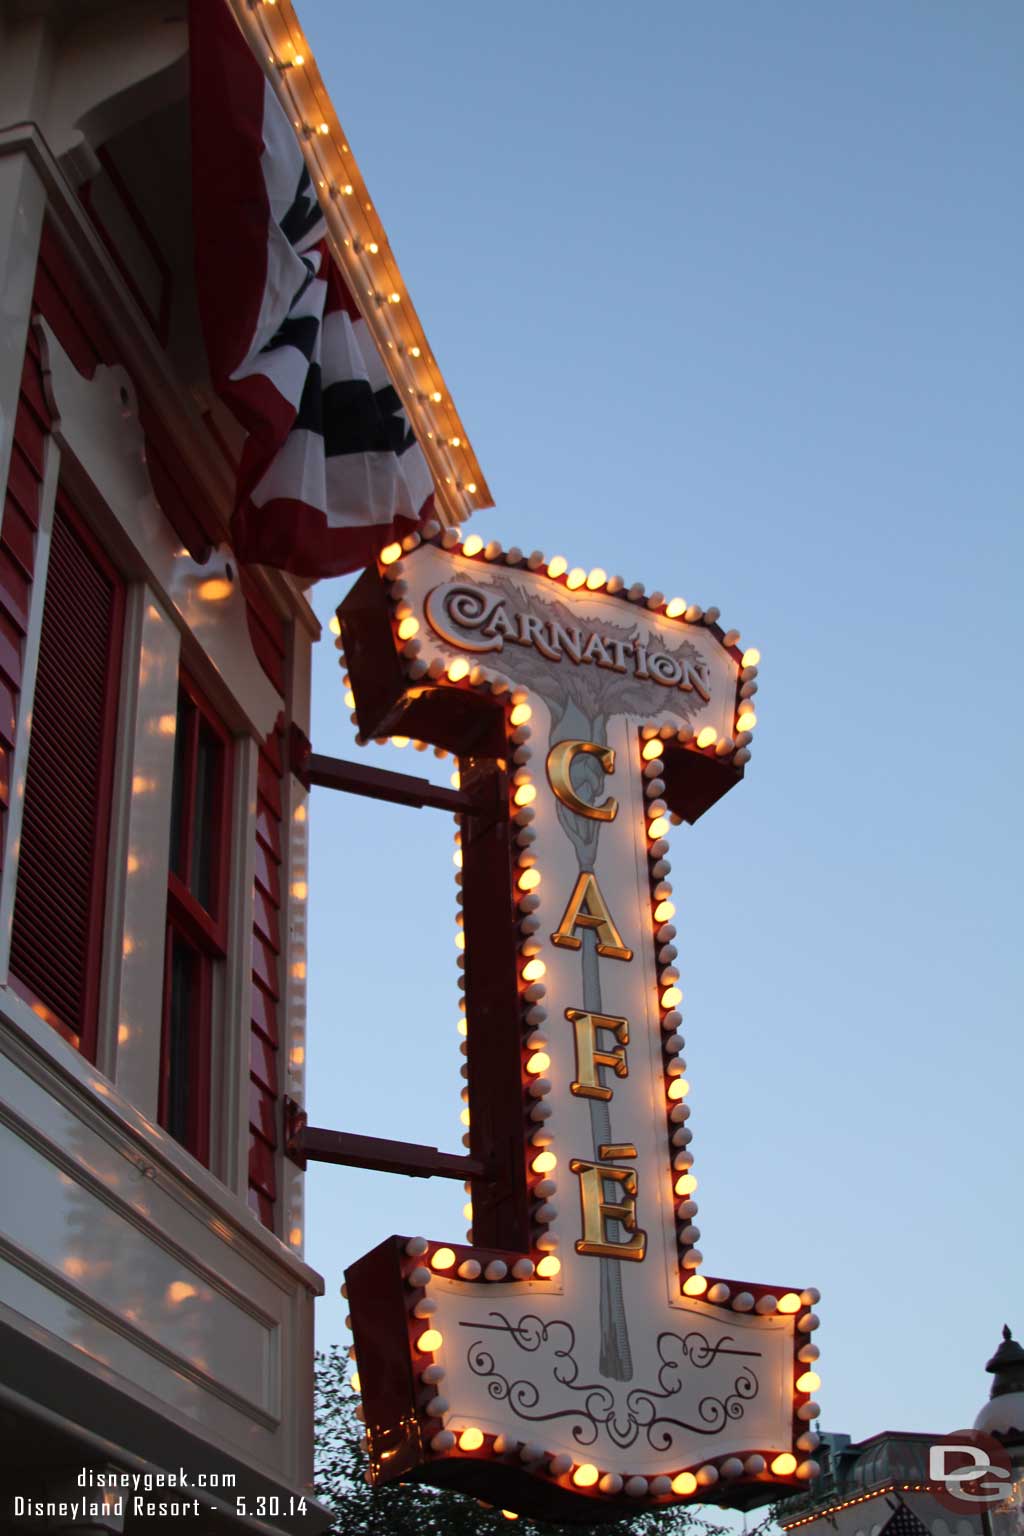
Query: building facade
(156, 1313)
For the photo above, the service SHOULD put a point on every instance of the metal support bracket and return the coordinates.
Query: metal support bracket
(304, 1142)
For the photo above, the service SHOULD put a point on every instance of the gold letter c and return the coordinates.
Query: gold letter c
(559, 764)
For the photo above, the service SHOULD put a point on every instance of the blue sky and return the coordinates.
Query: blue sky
(729, 300)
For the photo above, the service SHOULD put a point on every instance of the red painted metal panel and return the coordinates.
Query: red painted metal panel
(262, 1169)
(266, 867)
(264, 911)
(15, 588)
(23, 484)
(264, 965)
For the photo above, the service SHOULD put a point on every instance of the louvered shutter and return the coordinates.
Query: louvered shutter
(62, 866)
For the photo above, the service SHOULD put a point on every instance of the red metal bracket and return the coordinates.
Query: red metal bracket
(304, 1142)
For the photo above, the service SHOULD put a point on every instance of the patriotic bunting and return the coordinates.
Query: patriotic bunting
(331, 469)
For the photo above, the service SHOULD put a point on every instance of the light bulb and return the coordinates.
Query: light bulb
(473, 545)
(429, 1341)
(458, 669)
(784, 1465)
(538, 1063)
(694, 1285)
(586, 1475)
(686, 1184)
(544, 1162)
(533, 970)
(652, 749)
(707, 736)
(558, 565)
(658, 827)
(408, 627)
(390, 553)
(525, 795)
(746, 721)
(530, 878)
(442, 1258)
(520, 714)
(597, 578)
(471, 1440)
(549, 1266)
(671, 997)
(751, 657)
(576, 577)
(676, 608)
(810, 1381)
(664, 912)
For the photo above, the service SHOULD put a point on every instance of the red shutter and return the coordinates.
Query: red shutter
(58, 908)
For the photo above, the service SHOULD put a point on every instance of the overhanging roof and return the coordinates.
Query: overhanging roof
(363, 253)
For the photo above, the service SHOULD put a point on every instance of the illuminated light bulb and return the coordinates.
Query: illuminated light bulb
(334, 625)
(300, 890)
(529, 879)
(456, 780)
(390, 553)
(463, 1027)
(707, 737)
(437, 397)
(350, 699)
(353, 1382)
(549, 1266)
(400, 742)
(751, 657)
(790, 1302)
(471, 1440)
(746, 721)
(658, 827)
(678, 1088)
(442, 1258)
(458, 669)
(471, 488)
(509, 1514)
(671, 997)
(694, 1285)
(576, 577)
(414, 351)
(664, 912)
(460, 940)
(558, 566)
(300, 59)
(533, 970)
(538, 1063)
(684, 1483)
(457, 858)
(544, 1162)
(784, 1465)
(686, 1184)
(473, 545)
(652, 749)
(464, 1116)
(429, 1341)
(585, 1476)
(323, 128)
(597, 578)
(810, 1381)
(520, 714)
(455, 442)
(408, 627)
(215, 589)
(675, 608)
(525, 795)
(467, 1211)
(394, 298)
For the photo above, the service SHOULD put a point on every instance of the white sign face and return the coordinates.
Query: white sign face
(593, 647)
(612, 1362)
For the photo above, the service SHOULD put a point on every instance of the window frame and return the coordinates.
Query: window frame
(202, 931)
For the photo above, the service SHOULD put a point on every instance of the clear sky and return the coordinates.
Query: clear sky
(729, 299)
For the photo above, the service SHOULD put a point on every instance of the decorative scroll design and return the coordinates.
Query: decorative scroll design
(642, 1410)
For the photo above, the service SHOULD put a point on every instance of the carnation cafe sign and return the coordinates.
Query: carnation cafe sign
(572, 1357)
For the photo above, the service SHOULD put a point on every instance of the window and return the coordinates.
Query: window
(62, 864)
(196, 917)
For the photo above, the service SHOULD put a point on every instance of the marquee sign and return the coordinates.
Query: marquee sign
(572, 1359)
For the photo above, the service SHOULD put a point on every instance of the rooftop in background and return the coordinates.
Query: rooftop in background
(862, 1485)
(364, 254)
